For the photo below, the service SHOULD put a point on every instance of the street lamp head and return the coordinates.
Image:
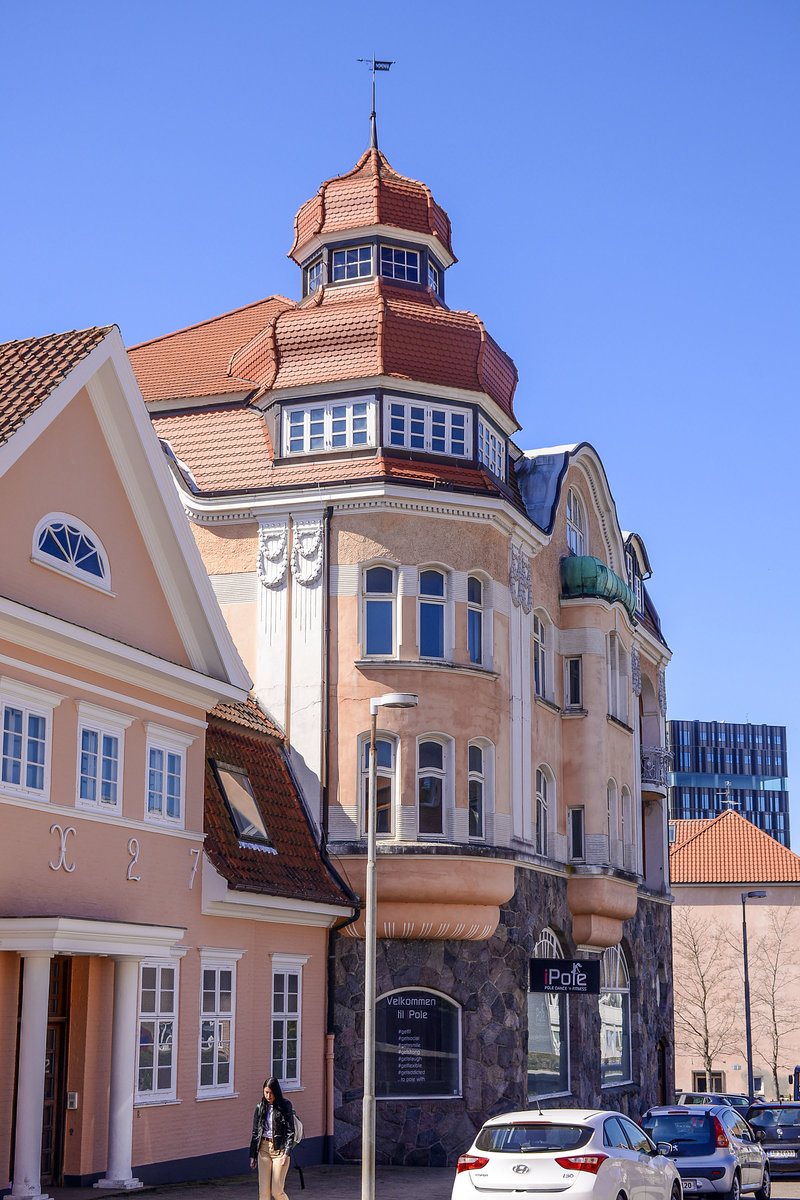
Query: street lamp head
(753, 895)
(393, 700)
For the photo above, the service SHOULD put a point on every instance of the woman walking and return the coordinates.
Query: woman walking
(273, 1138)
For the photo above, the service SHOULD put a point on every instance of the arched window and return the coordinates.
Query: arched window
(379, 584)
(542, 656)
(576, 524)
(481, 771)
(386, 753)
(548, 1022)
(432, 608)
(626, 831)
(612, 821)
(542, 818)
(615, 1018)
(70, 546)
(475, 629)
(432, 786)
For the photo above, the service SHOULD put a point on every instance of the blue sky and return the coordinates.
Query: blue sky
(623, 179)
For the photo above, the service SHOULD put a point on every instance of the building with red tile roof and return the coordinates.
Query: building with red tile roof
(164, 899)
(371, 526)
(714, 862)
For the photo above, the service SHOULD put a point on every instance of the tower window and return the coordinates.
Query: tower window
(400, 264)
(353, 263)
(434, 277)
(313, 275)
(428, 427)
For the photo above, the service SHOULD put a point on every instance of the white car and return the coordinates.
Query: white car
(582, 1152)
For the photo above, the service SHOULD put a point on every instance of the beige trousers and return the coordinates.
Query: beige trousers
(272, 1168)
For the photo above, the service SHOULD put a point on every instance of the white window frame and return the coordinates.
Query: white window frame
(577, 534)
(618, 678)
(281, 1018)
(615, 980)
(34, 702)
(548, 946)
(312, 268)
(397, 269)
(169, 742)
(329, 415)
(367, 598)
(543, 655)
(156, 1095)
(70, 566)
(428, 601)
(216, 961)
(570, 700)
(484, 779)
(483, 611)
(103, 723)
(421, 435)
(434, 276)
(360, 261)
(544, 809)
(443, 773)
(576, 815)
(491, 449)
(390, 773)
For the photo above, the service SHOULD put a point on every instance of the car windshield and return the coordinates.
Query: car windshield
(767, 1116)
(690, 1133)
(531, 1136)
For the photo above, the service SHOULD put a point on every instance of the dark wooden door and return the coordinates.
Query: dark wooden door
(55, 1074)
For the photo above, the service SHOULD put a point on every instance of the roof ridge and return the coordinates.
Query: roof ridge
(210, 320)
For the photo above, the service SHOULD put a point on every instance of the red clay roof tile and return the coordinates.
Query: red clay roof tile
(297, 870)
(194, 361)
(32, 368)
(729, 849)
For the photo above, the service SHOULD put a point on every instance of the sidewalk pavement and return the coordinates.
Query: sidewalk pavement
(321, 1183)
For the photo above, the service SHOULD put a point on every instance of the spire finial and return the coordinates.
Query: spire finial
(375, 64)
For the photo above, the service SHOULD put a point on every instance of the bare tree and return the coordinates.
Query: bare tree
(704, 987)
(775, 979)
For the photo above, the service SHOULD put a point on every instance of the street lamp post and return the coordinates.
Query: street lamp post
(391, 700)
(745, 897)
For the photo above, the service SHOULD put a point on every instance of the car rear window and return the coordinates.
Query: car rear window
(530, 1137)
(767, 1116)
(692, 1133)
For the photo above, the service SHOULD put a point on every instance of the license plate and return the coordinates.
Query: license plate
(780, 1153)
(690, 1185)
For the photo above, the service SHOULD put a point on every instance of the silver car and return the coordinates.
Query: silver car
(713, 1147)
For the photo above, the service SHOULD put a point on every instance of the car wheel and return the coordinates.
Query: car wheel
(736, 1189)
(677, 1192)
(763, 1193)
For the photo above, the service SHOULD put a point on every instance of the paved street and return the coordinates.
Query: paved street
(333, 1183)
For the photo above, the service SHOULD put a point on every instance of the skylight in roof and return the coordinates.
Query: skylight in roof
(244, 812)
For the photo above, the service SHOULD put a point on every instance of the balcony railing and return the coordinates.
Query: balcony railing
(656, 762)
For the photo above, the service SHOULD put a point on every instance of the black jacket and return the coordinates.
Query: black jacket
(282, 1127)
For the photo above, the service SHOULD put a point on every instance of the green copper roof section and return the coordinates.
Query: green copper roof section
(582, 575)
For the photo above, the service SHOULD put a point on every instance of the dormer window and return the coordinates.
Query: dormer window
(352, 263)
(434, 277)
(335, 425)
(430, 427)
(400, 264)
(246, 818)
(67, 545)
(491, 450)
(313, 275)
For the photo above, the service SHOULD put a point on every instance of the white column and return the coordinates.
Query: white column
(27, 1183)
(119, 1172)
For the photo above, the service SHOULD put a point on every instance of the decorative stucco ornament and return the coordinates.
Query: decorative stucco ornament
(307, 552)
(519, 579)
(636, 672)
(662, 692)
(273, 553)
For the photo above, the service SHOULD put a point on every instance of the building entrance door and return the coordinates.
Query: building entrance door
(55, 1074)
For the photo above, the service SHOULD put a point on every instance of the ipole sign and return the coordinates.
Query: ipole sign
(565, 975)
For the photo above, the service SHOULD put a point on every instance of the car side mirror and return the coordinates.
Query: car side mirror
(664, 1148)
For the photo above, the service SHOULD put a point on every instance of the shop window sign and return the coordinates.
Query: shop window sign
(418, 1045)
(565, 975)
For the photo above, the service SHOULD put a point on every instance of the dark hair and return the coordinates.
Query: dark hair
(277, 1094)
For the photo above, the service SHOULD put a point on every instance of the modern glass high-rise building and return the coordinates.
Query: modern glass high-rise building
(720, 764)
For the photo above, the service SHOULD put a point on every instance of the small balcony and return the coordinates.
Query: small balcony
(656, 763)
(583, 575)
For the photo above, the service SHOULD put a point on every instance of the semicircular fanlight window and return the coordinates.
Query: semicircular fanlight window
(72, 546)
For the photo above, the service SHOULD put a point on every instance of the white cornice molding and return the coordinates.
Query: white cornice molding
(391, 233)
(220, 900)
(76, 935)
(83, 648)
